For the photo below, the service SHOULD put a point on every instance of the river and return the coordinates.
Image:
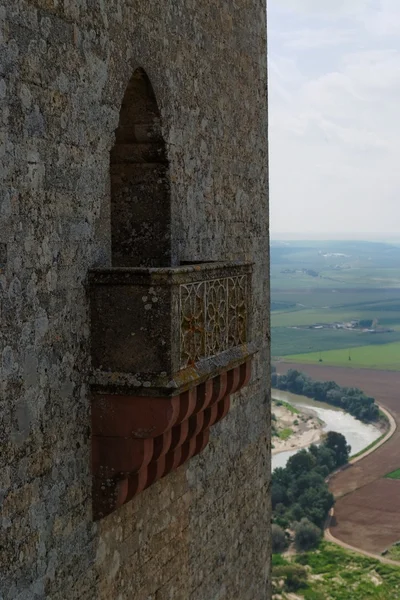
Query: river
(358, 434)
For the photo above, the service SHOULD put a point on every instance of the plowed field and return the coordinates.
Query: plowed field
(367, 510)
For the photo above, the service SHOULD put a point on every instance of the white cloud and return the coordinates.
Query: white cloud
(312, 38)
(383, 19)
(334, 125)
(326, 8)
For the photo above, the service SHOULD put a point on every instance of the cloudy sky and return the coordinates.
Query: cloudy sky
(334, 68)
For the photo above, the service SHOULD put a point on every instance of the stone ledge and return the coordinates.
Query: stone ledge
(146, 384)
(168, 275)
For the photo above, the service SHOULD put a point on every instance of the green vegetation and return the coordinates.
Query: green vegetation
(333, 573)
(331, 282)
(306, 535)
(393, 553)
(368, 357)
(288, 406)
(286, 341)
(279, 539)
(352, 400)
(294, 577)
(393, 475)
(285, 433)
(299, 491)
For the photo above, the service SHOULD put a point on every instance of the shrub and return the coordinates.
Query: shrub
(294, 576)
(279, 541)
(278, 560)
(307, 535)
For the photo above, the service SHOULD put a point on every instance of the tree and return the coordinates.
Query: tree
(307, 479)
(353, 400)
(296, 512)
(298, 385)
(316, 503)
(282, 476)
(324, 457)
(300, 463)
(337, 443)
(334, 397)
(308, 388)
(278, 494)
(307, 535)
(279, 541)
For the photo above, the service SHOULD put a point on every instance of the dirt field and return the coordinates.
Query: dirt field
(368, 518)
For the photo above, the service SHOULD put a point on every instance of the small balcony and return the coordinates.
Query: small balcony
(160, 330)
(169, 347)
(169, 344)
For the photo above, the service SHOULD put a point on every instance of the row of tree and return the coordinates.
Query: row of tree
(301, 499)
(350, 399)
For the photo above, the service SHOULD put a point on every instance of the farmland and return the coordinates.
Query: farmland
(319, 287)
(373, 356)
(297, 344)
(367, 509)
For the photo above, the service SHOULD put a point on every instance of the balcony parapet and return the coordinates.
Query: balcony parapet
(161, 330)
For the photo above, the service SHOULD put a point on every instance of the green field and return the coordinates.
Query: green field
(329, 282)
(386, 357)
(394, 475)
(287, 341)
(337, 574)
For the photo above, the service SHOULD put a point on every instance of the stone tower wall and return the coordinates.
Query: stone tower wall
(201, 533)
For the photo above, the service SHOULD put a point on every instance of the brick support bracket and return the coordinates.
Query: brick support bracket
(137, 440)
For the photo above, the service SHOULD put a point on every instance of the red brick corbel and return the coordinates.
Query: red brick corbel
(137, 440)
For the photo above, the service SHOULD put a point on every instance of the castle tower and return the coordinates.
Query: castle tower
(134, 299)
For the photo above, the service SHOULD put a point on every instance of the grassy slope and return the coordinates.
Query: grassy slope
(337, 574)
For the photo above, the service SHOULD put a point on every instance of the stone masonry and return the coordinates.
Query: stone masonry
(201, 532)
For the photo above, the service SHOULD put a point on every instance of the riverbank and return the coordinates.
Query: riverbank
(294, 427)
(361, 436)
(367, 512)
(387, 433)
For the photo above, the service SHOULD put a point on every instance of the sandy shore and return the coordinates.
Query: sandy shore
(305, 428)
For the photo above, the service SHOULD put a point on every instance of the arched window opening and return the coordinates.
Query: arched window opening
(140, 191)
